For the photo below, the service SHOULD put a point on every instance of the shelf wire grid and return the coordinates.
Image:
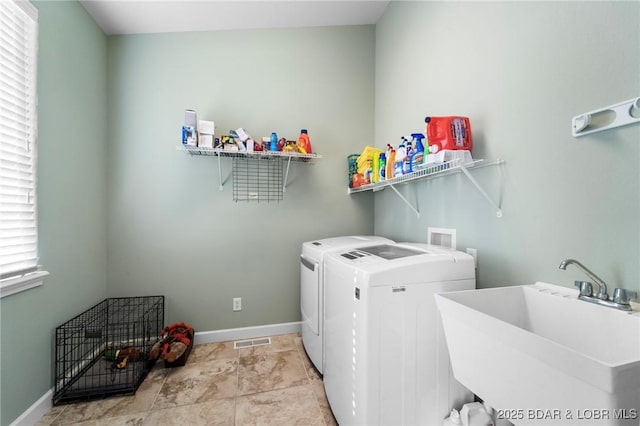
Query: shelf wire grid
(259, 180)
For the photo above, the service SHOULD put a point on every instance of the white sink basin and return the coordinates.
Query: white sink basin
(540, 356)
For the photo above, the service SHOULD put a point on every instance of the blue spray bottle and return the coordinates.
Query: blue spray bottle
(417, 157)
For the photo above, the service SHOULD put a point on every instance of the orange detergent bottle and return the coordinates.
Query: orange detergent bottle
(304, 142)
(391, 160)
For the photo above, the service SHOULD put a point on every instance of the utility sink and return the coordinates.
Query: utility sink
(540, 356)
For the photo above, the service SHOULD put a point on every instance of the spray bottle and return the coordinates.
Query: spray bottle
(417, 157)
(399, 160)
(406, 165)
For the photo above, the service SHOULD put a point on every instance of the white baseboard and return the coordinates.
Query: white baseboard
(42, 405)
(36, 411)
(202, 337)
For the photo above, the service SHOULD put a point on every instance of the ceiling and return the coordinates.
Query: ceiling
(162, 16)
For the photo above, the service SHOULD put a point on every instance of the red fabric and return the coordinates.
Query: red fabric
(176, 332)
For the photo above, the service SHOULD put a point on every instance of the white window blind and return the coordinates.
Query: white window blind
(18, 132)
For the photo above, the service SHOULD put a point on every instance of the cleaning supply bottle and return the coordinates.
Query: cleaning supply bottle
(375, 167)
(382, 169)
(304, 142)
(399, 160)
(406, 165)
(476, 414)
(453, 419)
(417, 157)
(273, 146)
(391, 159)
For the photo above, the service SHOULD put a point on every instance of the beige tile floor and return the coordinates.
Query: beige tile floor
(262, 385)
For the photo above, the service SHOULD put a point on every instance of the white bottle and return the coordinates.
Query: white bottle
(453, 419)
(401, 153)
(476, 414)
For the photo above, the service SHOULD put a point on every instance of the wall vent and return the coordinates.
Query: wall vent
(444, 237)
(252, 342)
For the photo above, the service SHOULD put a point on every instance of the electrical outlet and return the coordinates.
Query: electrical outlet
(237, 304)
(473, 252)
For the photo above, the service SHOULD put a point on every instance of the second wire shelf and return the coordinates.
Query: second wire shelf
(428, 171)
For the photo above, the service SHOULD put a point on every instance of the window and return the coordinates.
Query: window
(18, 132)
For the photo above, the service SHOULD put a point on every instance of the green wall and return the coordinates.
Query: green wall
(520, 71)
(72, 202)
(156, 223)
(170, 229)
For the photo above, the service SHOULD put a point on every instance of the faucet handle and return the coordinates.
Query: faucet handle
(622, 296)
(586, 288)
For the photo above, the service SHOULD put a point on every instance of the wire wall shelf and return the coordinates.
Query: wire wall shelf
(424, 171)
(429, 171)
(219, 152)
(258, 175)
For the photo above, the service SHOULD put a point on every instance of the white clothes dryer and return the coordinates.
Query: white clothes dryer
(386, 359)
(312, 288)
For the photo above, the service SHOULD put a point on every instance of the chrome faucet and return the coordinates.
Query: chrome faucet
(602, 291)
(621, 297)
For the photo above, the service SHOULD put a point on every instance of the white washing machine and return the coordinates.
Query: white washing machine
(312, 288)
(386, 359)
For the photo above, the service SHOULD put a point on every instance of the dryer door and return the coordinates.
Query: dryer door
(310, 292)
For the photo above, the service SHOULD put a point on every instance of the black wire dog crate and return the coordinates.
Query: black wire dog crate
(104, 351)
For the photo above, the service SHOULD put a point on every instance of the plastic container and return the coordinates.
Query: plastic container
(417, 140)
(477, 414)
(453, 419)
(352, 161)
(304, 142)
(417, 157)
(382, 169)
(453, 132)
(401, 153)
(461, 157)
(375, 167)
(391, 159)
(406, 164)
(273, 145)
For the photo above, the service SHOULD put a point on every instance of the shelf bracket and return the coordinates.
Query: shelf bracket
(220, 174)
(620, 114)
(405, 201)
(481, 190)
(286, 176)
